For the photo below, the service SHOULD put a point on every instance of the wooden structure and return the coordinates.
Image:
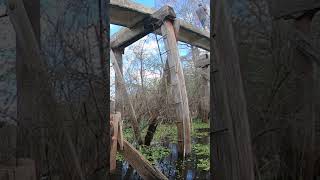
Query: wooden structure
(39, 108)
(124, 92)
(140, 21)
(230, 135)
(203, 64)
(307, 60)
(178, 89)
(18, 169)
(128, 14)
(144, 168)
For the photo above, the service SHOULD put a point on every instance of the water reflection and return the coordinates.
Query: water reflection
(172, 167)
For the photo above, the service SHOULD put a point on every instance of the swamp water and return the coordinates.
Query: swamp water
(196, 166)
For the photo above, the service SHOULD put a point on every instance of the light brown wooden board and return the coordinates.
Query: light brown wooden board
(140, 164)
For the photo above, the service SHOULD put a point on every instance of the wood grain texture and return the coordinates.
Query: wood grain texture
(178, 88)
(140, 164)
(230, 138)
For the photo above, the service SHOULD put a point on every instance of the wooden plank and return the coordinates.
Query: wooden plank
(140, 163)
(114, 119)
(120, 10)
(118, 92)
(178, 89)
(134, 121)
(230, 137)
(120, 135)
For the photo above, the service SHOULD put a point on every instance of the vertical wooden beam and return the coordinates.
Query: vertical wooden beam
(44, 107)
(114, 121)
(119, 99)
(27, 145)
(308, 93)
(178, 88)
(230, 138)
(134, 121)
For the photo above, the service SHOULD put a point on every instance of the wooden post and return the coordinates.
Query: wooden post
(123, 88)
(231, 151)
(203, 63)
(308, 93)
(44, 106)
(119, 98)
(27, 85)
(178, 88)
(114, 121)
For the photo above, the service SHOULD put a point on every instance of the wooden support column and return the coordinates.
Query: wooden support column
(231, 151)
(306, 65)
(134, 121)
(119, 98)
(45, 109)
(114, 122)
(178, 88)
(203, 64)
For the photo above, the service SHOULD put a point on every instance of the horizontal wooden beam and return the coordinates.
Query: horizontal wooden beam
(202, 61)
(128, 14)
(150, 23)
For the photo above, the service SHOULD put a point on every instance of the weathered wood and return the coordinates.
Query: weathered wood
(8, 144)
(202, 61)
(25, 17)
(18, 169)
(44, 105)
(178, 89)
(134, 121)
(307, 63)
(120, 10)
(120, 135)
(287, 8)
(114, 120)
(230, 136)
(127, 36)
(304, 45)
(140, 164)
(118, 92)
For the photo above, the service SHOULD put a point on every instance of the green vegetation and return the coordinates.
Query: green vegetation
(154, 153)
(198, 125)
(151, 153)
(202, 152)
(168, 132)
